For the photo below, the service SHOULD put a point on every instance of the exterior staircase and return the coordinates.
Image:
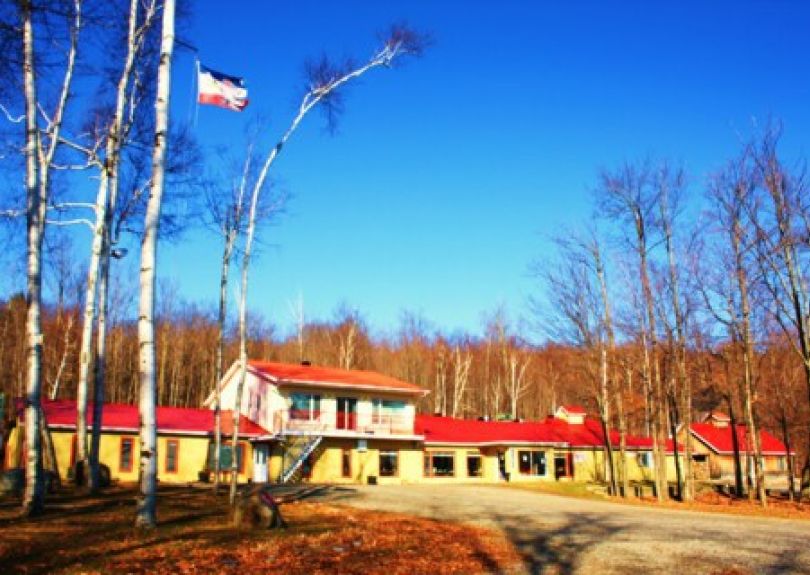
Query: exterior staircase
(296, 451)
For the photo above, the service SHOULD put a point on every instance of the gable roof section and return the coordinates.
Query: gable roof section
(719, 439)
(61, 414)
(293, 373)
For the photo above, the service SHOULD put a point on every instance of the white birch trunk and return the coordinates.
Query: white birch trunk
(147, 502)
(38, 163)
(109, 180)
(34, 496)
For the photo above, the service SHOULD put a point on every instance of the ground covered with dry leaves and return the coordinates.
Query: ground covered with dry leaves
(80, 534)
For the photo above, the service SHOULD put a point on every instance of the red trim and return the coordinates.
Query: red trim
(176, 444)
(131, 442)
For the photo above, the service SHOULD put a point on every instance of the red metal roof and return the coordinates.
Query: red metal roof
(574, 409)
(122, 417)
(311, 374)
(551, 431)
(719, 439)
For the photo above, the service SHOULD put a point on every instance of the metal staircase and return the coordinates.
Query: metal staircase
(296, 452)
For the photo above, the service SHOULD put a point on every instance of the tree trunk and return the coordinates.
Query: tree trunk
(147, 502)
(739, 488)
(34, 496)
(230, 238)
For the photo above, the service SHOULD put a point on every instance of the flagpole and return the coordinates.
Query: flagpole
(197, 95)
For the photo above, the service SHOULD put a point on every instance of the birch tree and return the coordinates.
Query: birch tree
(730, 191)
(782, 222)
(40, 150)
(96, 300)
(147, 501)
(326, 81)
(627, 195)
(670, 184)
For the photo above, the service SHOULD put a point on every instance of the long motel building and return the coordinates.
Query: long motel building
(304, 423)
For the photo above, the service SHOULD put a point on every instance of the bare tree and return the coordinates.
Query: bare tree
(627, 194)
(462, 361)
(730, 192)
(326, 81)
(782, 223)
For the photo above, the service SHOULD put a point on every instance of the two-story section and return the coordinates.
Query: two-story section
(328, 425)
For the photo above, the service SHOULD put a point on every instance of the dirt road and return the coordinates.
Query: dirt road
(568, 535)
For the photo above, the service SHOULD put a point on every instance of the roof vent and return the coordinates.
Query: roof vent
(306, 362)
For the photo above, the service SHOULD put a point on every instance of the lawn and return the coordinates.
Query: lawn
(82, 534)
(707, 500)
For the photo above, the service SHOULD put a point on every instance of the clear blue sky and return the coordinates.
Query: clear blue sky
(445, 175)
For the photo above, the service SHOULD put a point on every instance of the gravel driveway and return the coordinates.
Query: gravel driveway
(568, 535)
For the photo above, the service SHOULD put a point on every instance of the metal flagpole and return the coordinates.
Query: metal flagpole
(197, 94)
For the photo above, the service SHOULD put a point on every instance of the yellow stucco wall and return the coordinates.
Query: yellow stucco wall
(192, 453)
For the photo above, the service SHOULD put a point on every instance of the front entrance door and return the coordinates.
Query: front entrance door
(346, 413)
(260, 453)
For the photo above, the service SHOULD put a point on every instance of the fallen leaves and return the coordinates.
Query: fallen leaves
(94, 535)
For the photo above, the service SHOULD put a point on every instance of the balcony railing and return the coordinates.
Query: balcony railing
(338, 421)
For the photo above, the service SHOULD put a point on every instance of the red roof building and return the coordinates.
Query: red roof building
(719, 439)
(305, 374)
(116, 417)
(553, 431)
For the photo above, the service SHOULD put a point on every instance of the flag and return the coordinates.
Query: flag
(221, 90)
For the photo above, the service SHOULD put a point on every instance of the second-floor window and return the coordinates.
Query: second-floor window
(386, 410)
(305, 406)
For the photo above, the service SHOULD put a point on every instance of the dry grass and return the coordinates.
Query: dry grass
(95, 535)
(707, 501)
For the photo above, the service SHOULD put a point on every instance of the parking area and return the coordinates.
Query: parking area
(568, 535)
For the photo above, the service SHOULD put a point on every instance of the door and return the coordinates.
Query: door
(260, 453)
(346, 409)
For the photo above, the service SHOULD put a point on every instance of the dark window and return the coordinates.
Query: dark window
(305, 406)
(125, 457)
(225, 458)
(172, 452)
(439, 464)
(532, 462)
(474, 464)
(389, 463)
(346, 463)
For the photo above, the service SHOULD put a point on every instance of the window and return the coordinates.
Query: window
(125, 454)
(439, 464)
(225, 458)
(532, 462)
(383, 410)
(172, 452)
(306, 406)
(474, 464)
(645, 460)
(346, 463)
(389, 463)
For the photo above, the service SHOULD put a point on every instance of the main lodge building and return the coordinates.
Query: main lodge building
(325, 425)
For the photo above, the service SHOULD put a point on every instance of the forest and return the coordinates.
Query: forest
(683, 293)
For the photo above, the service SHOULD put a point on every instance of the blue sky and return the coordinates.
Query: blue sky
(447, 175)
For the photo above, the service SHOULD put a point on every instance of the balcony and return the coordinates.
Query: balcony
(341, 422)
